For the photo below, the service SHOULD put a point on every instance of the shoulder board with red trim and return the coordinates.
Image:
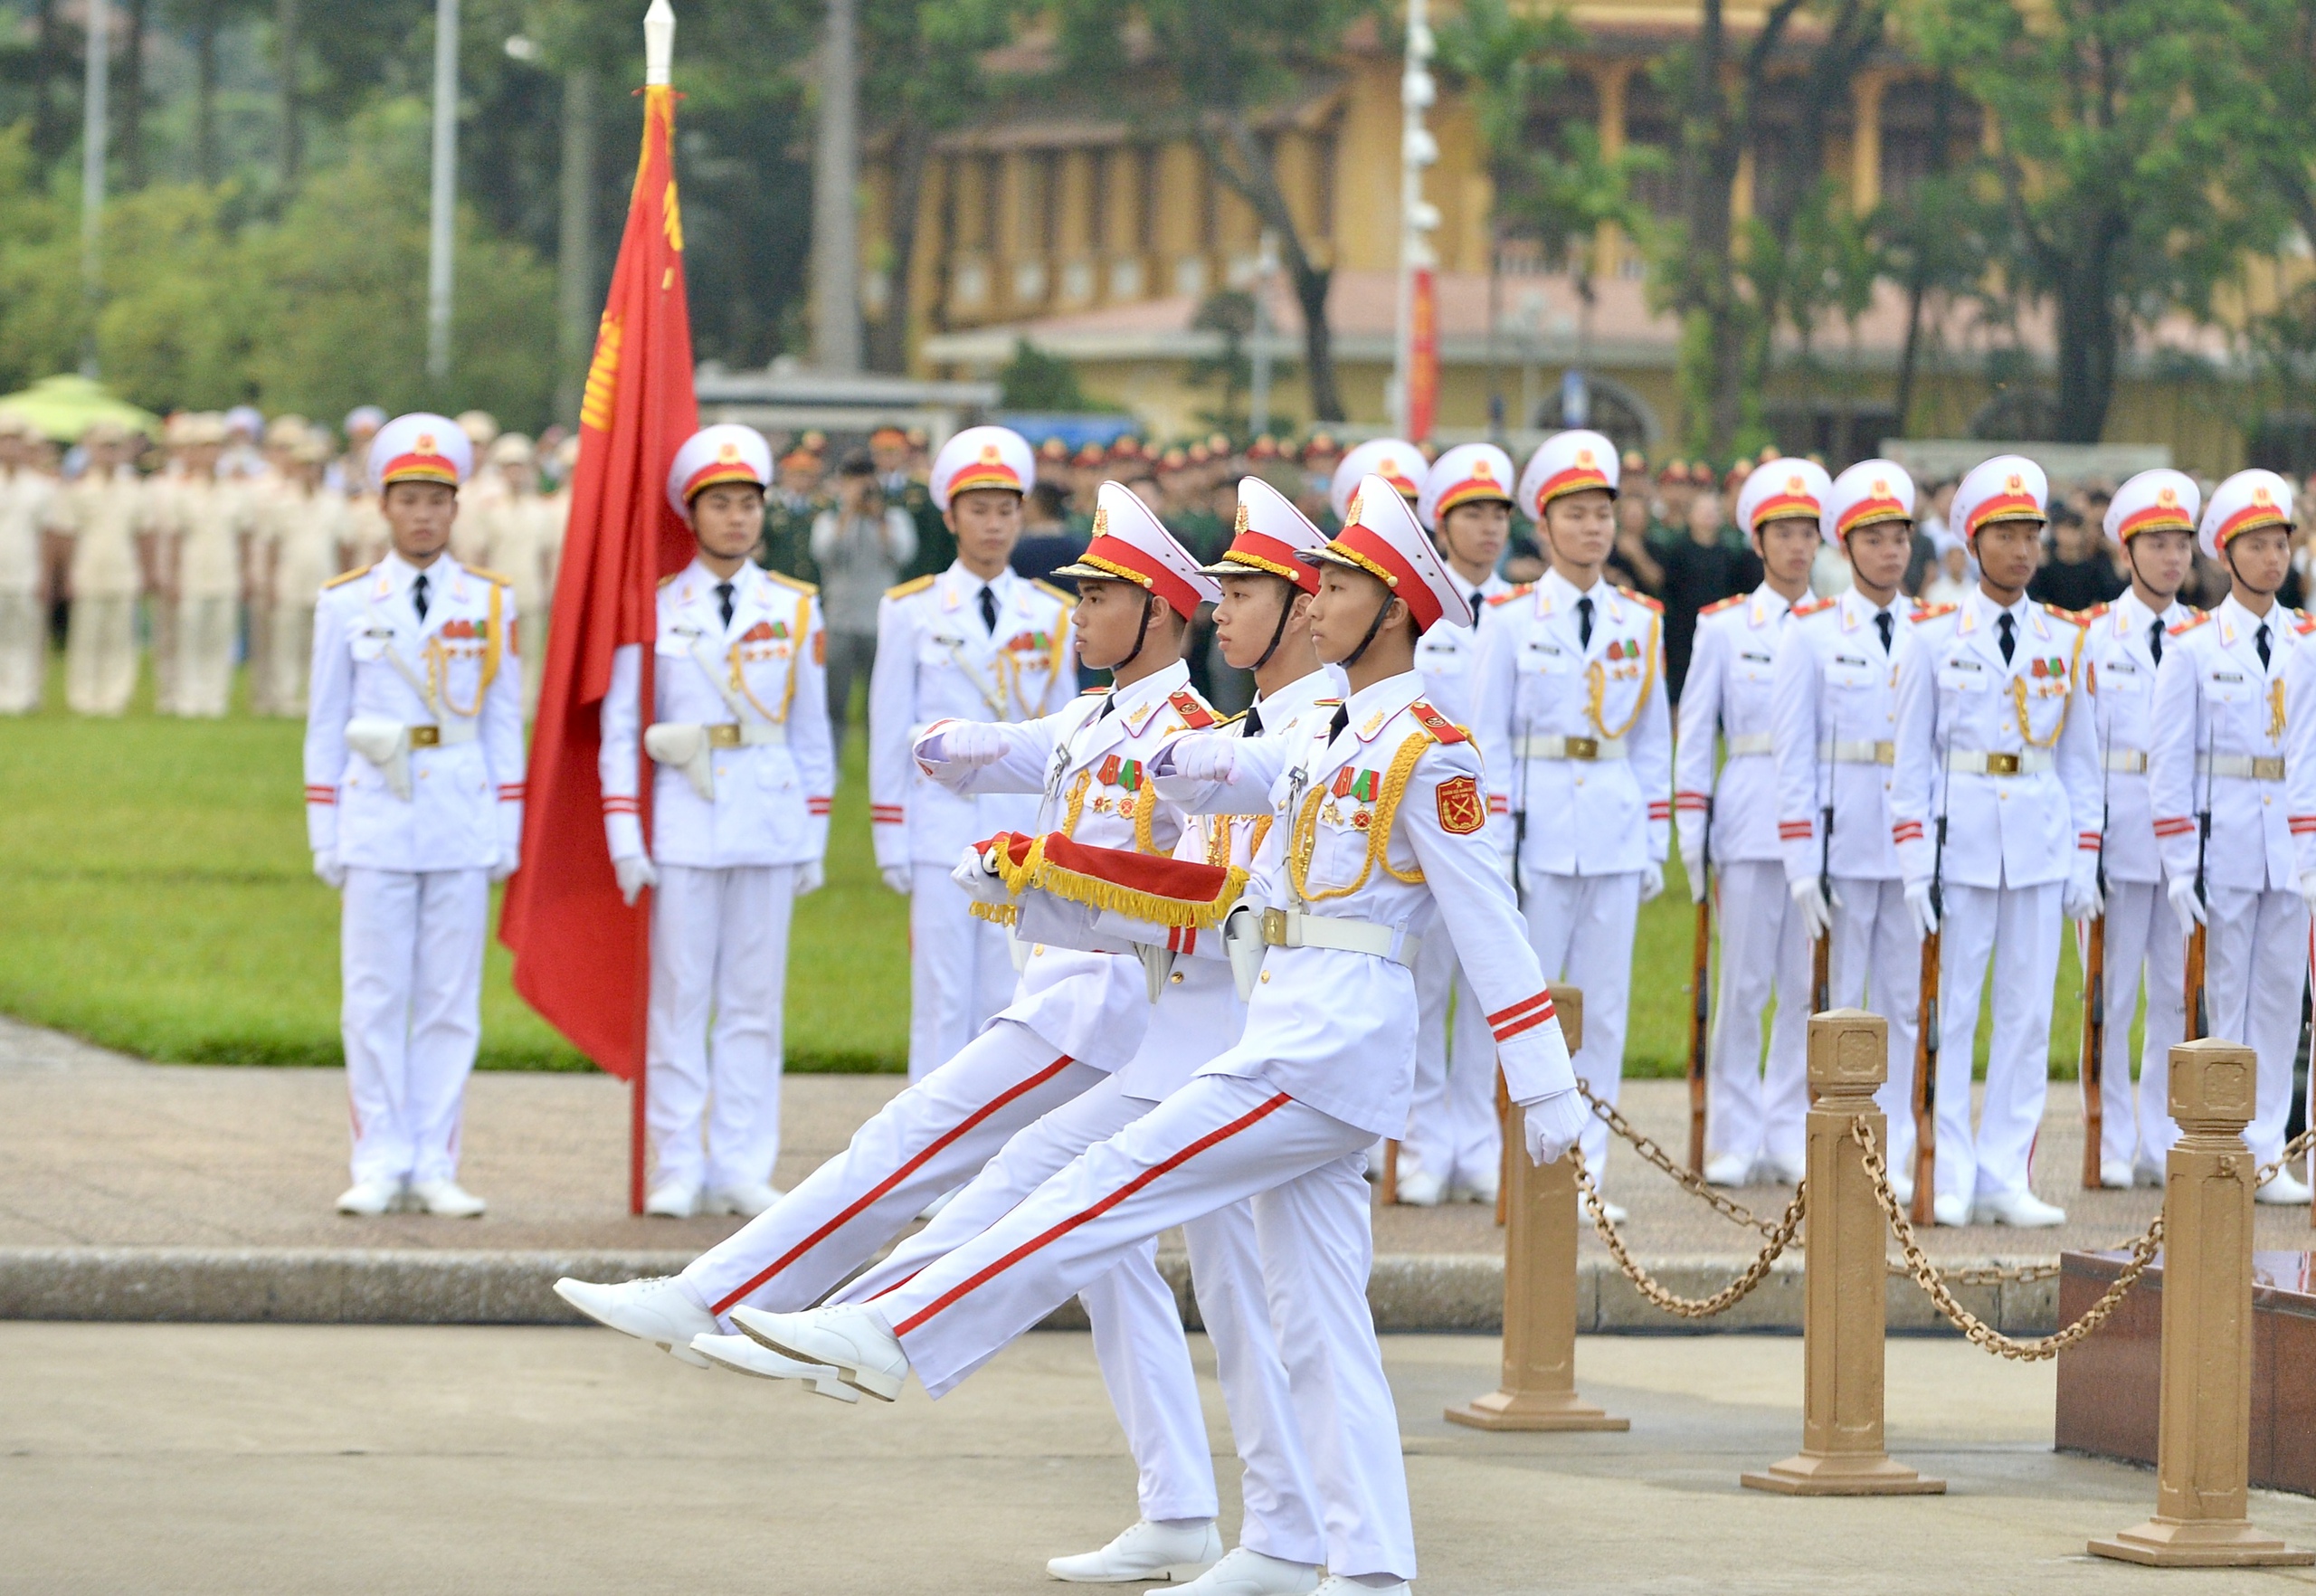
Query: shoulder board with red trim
(2186, 627)
(2071, 617)
(1068, 600)
(915, 584)
(2305, 624)
(1326, 703)
(490, 576)
(790, 581)
(1642, 598)
(343, 577)
(2092, 614)
(1927, 611)
(1192, 708)
(1523, 591)
(1093, 692)
(1731, 603)
(1436, 723)
(1812, 607)
(670, 577)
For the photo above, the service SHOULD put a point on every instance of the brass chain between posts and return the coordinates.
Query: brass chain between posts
(1656, 1156)
(1781, 1236)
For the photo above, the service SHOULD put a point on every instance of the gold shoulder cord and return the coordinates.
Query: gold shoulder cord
(1076, 802)
(2018, 700)
(1304, 839)
(437, 663)
(1599, 681)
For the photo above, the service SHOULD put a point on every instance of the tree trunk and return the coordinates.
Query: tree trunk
(888, 337)
(1236, 156)
(50, 130)
(293, 144)
(132, 97)
(577, 305)
(1318, 340)
(2089, 338)
(204, 113)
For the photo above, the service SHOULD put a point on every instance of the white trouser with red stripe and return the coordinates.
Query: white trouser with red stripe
(960, 972)
(1138, 1335)
(1581, 929)
(1876, 964)
(1220, 1140)
(2142, 940)
(1756, 1107)
(2256, 961)
(1452, 1128)
(2017, 929)
(932, 1137)
(719, 946)
(411, 957)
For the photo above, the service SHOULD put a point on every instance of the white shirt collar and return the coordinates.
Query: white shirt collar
(400, 572)
(1565, 592)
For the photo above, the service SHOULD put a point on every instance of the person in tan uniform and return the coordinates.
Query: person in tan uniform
(302, 529)
(25, 495)
(482, 496)
(203, 521)
(522, 537)
(283, 434)
(104, 514)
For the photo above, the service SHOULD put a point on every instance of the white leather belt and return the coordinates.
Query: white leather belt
(447, 735)
(1751, 743)
(2243, 767)
(2130, 761)
(1845, 752)
(1568, 747)
(1294, 928)
(1979, 762)
(746, 734)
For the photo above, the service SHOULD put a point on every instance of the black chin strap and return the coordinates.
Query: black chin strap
(1278, 632)
(1373, 627)
(1140, 638)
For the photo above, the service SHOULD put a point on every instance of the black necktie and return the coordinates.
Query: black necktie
(1253, 727)
(724, 601)
(2006, 635)
(1584, 622)
(1336, 727)
(988, 610)
(1478, 603)
(2260, 642)
(418, 596)
(2155, 639)
(1885, 623)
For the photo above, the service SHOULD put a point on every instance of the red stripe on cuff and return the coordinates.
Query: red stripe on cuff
(1514, 1011)
(1507, 1033)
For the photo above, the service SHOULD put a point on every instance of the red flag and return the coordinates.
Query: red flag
(583, 958)
(1423, 356)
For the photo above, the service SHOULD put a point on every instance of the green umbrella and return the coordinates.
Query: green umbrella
(62, 407)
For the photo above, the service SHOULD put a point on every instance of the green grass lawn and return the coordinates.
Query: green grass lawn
(159, 900)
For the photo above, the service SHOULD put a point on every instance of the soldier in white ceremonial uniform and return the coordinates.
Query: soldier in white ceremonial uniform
(1996, 800)
(25, 496)
(974, 642)
(1454, 1146)
(1728, 827)
(2152, 517)
(1569, 714)
(2222, 751)
(1377, 842)
(1395, 460)
(736, 734)
(1833, 733)
(1074, 1017)
(414, 806)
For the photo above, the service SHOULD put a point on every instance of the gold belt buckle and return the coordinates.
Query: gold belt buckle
(1274, 928)
(2267, 767)
(1885, 753)
(725, 734)
(2002, 764)
(1582, 747)
(425, 736)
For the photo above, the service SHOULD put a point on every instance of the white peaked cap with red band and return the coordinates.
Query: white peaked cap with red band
(420, 447)
(982, 457)
(1395, 460)
(2160, 500)
(1470, 474)
(726, 453)
(2008, 488)
(1870, 492)
(1565, 463)
(1269, 535)
(1776, 489)
(2248, 501)
(1130, 543)
(1381, 536)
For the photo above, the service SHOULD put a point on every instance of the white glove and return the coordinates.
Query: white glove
(507, 864)
(1652, 881)
(2084, 900)
(635, 873)
(1553, 1124)
(1693, 866)
(1205, 756)
(1918, 900)
(2182, 890)
(810, 876)
(898, 877)
(975, 872)
(972, 742)
(2308, 890)
(1816, 909)
(326, 866)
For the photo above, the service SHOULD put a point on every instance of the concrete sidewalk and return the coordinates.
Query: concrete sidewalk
(380, 1461)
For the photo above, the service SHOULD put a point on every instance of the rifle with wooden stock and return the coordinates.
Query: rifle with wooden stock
(1926, 1039)
(1700, 967)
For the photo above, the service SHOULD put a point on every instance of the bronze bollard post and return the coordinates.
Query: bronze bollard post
(1541, 1218)
(2204, 1441)
(1844, 1309)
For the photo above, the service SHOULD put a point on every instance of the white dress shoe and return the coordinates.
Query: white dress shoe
(1249, 1572)
(676, 1200)
(445, 1199)
(660, 1311)
(853, 1341)
(1482, 1191)
(2286, 1190)
(739, 1356)
(1728, 1169)
(369, 1199)
(2022, 1210)
(747, 1201)
(1336, 1585)
(1145, 1550)
(2149, 1172)
(2115, 1174)
(1952, 1210)
(1782, 1169)
(1419, 1188)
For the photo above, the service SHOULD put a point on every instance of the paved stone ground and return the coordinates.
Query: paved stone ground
(306, 1459)
(100, 1150)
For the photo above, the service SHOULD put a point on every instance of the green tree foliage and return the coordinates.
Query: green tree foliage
(1034, 380)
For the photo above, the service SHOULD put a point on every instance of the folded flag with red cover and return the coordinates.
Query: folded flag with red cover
(1174, 892)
